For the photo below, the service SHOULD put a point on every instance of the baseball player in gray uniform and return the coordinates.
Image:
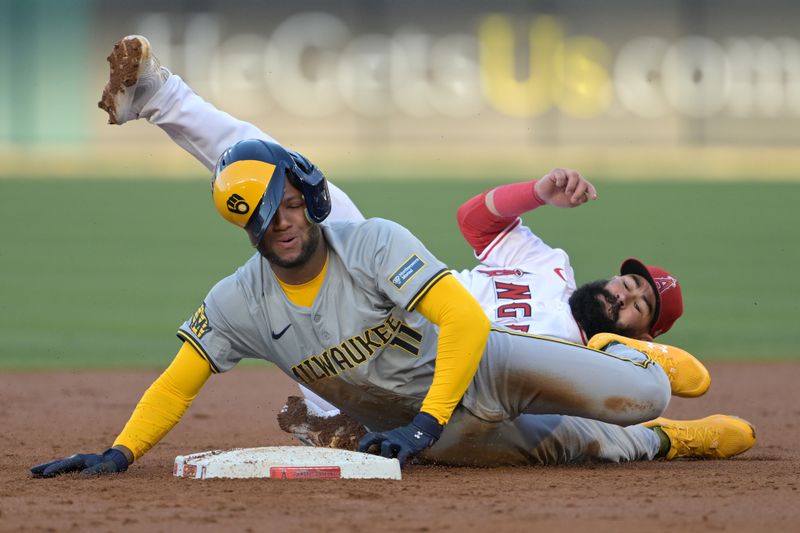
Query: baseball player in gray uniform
(360, 313)
(523, 283)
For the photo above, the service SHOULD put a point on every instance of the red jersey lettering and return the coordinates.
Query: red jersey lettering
(510, 310)
(503, 272)
(512, 291)
(515, 308)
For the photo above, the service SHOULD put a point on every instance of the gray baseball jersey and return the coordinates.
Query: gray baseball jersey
(360, 344)
(503, 386)
(363, 348)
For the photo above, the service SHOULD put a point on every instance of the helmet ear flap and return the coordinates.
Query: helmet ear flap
(302, 162)
(312, 183)
(318, 202)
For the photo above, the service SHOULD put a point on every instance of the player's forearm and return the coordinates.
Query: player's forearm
(463, 331)
(156, 414)
(164, 403)
(483, 217)
(513, 199)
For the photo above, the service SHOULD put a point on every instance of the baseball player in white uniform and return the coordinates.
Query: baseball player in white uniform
(359, 312)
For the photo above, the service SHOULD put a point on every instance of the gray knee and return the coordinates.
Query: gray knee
(645, 401)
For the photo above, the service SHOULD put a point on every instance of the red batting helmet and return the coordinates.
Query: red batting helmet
(669, 299)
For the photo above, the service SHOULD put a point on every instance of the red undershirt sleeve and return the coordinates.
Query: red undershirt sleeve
(483, 217)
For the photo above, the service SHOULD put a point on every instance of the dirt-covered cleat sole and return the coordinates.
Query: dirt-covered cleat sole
(338, 431)
(135, 76)
(688, 377)
(712, 437)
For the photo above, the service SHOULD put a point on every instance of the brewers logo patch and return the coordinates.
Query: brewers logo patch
(199, 322)
(236, 204)
(407, 271)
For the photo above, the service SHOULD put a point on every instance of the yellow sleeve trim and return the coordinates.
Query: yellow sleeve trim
(463, 331)
(165, 402)
(188, 339)
(425, 288)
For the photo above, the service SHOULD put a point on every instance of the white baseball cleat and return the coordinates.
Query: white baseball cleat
(136, 75)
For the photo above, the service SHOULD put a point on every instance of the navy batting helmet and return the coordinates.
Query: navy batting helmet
(248, 185)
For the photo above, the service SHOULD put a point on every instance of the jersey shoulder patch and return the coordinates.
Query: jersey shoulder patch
(199, 322)
(406, 271)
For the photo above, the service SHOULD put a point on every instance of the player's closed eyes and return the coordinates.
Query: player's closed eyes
(638, 284)
(626, 285)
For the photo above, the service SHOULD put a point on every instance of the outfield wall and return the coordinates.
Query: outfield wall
(620, 89)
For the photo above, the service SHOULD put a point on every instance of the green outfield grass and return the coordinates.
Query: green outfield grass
(101, 273)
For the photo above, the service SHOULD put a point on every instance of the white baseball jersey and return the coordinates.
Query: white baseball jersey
(524, 284)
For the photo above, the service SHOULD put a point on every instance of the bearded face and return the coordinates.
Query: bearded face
(596, 310)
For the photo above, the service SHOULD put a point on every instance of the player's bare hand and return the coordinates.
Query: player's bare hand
(563, 187)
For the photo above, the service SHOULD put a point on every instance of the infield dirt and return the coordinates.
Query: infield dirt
(49, 415)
